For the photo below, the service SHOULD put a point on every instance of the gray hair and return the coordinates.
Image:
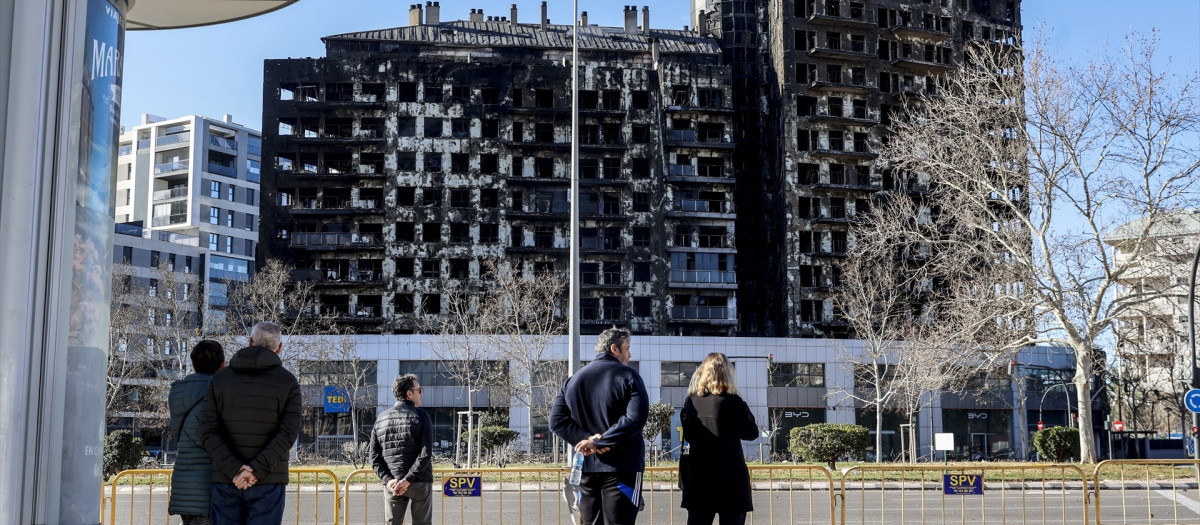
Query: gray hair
(267, 335)
(611, 336)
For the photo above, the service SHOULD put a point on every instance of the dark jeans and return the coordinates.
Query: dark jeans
(418, 494)
(700, 517)
(611, 498)
(258, 505)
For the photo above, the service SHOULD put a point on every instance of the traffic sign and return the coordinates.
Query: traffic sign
(1118, 425)
(1041, 426)
(1192, 400)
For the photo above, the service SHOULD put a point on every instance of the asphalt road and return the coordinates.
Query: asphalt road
(1135, 504)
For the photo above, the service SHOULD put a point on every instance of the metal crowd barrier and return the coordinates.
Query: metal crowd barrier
(1149, 490)
(814, 484)
(149, 491)
(898, 493)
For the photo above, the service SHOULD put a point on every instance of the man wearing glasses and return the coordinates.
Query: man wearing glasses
(401, 454)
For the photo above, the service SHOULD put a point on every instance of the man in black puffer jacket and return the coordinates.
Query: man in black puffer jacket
(250, 418)
(401, 444)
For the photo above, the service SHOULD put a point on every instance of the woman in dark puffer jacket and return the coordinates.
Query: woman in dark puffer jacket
(191, 482)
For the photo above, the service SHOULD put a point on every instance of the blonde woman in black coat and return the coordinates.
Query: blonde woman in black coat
(715, 420)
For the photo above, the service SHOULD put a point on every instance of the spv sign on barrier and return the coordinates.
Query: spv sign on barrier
(963, 484)
(460, 486)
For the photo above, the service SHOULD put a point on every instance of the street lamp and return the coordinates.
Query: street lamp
(1192, 344)
(1066, 394)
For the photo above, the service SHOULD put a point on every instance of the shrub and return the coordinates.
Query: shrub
(658, 420)
(122, 451)
(828, 442)
(492, 437)
(1057, 443)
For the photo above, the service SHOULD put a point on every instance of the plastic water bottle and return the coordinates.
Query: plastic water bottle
(576, 469)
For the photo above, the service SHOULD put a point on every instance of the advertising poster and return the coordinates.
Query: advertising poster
(96, 133)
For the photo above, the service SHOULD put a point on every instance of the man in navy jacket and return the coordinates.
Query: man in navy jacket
(602, 409)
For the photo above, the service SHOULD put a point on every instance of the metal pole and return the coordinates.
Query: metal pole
(573, 316)
(1192, 344)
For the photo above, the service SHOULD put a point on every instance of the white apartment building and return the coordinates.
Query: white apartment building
(199, 177)
(1154, 366)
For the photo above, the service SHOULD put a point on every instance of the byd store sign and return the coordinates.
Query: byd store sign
(977, 415)
(796, 414)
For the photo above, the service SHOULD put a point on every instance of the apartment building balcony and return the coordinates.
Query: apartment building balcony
(833, 118)
(172, 139)
(536, 249)
(831, 219)
(125, 150)
(687, 138)
(909, 32)
(542, 209)
(223, 142)
(701, 175)
(221, 169)
(338, 278)
(336, 207)
(171, 168)
(335, 241)
(601, 246)
(855, 154)
(708, 279)
(357, 101)
(608, 211)
(701, 209)
(360, 315)
(845, 55)
(169, 220)
(171, 194)
(328, 173)
(536, 144)
(540, 111)
(865, 20)
(681, 170)
(538, 181)
(692, 108)
(822, 86)
(707, 314)
(365, 135)
(921, 66)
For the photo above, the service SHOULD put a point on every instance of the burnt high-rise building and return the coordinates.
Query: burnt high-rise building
(720, 165)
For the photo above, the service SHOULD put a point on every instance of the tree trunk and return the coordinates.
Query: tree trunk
(1083, 398)
(470, 424)
(878, 428)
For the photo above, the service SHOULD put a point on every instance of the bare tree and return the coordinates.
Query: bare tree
(1040, 162)
(464, 345)
(528, 318)
(272, 295)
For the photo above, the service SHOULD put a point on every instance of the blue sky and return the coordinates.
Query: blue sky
(217, 70)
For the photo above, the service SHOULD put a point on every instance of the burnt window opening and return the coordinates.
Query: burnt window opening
(861, 143)
(833, 73)
(589, 273)
(610, 99)
(433, 127)
(610, 133)
(371, 127)
(641, 201)
(431, 268)
(612, 308)
(837, 242)
(460, 162)
(517, 168)
(589, 134)
(833, 40)
(460, 128)
(431, 197)
(683, 236)
(611, 169)
(405, 196)
(459, 268)
(543, 98)
(837, 140)
(543, 167)
(806, 173)
(405, 267)
(837, 174)
(518, 132)
(589, 168)
(806, 106)
(710, 132)
(406, 92)
(489, 128)
(543, 268)
(804, 242)
(641, 271)
(489, 95)
(639, 99)
(806, 140)
(431, 303)
(516, 236)
(433, 162)
(518, 98)
(370, 163)
(405, 232)
(681, 95)
(711, 98)
(489, 163)
(403, 303)
(806, 73)
(406, 126)
(640, 168)
(588, 98)
(710, 166)
(859, 109)
(836, 107)
(460, 94)
(640, 134)
(837, 207)
(489, 233)
(460, 197)
(544, 132)
(431, 232)
(641, 236)
(641, 307)
(434, 93)
(543, 237)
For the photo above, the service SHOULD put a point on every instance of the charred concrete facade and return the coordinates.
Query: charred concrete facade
(407, 157)
(721, 167)
(831, 72)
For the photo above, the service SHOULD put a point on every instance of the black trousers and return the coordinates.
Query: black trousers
(700, 517)
(614, 496)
